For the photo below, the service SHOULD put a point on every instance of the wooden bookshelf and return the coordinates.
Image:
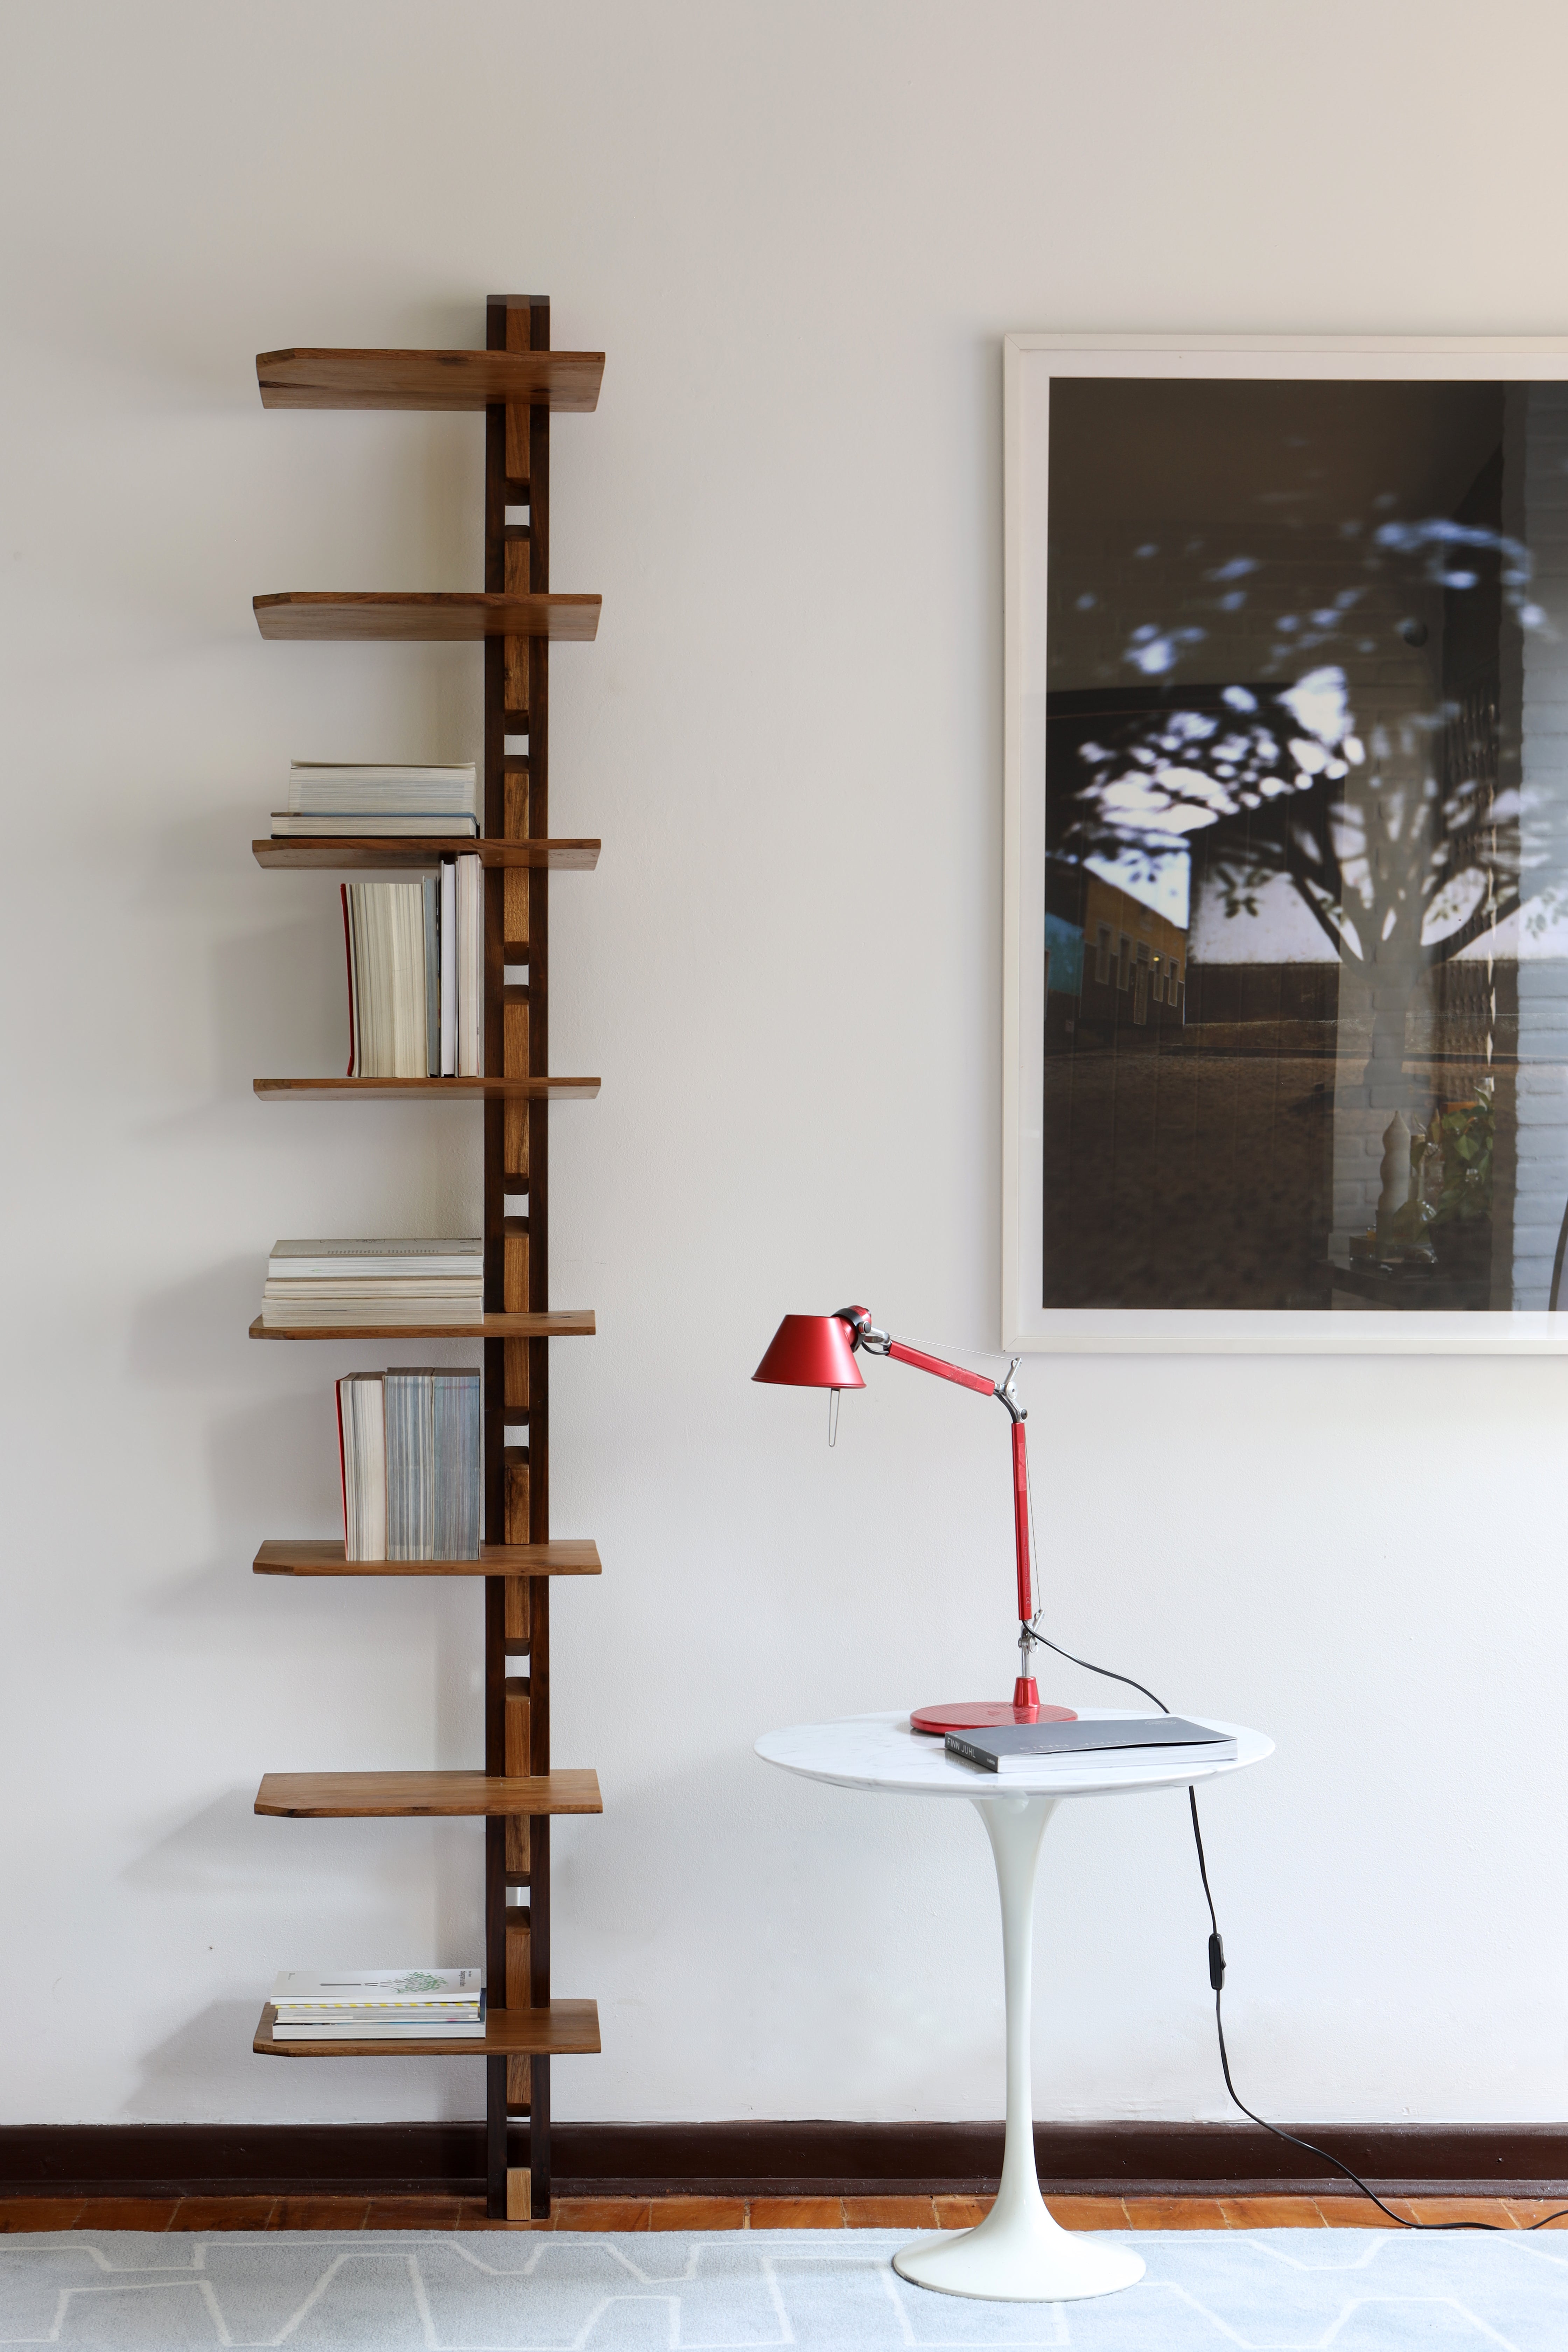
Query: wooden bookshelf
(361, 854)
(564, 381)
(522, 1090)
(516, 381)
(561, 2029)
(289, 1556)
(396, 1796)
(435, 619)
(559, 1323)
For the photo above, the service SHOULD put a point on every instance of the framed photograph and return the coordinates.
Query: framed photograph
(1286, 924)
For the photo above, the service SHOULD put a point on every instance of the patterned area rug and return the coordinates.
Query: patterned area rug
(1250, 2291)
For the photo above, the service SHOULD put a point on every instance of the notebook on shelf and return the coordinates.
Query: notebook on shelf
(379, 2004)
(325, 824)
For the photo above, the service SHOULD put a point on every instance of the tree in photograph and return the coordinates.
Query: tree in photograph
(1404, 829)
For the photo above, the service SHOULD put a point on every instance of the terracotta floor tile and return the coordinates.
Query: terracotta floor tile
(1087, 2213)
(696, 2213)
(472, 2214)
(1457, 2209)
(796, 2212)
(961, 2212)
(889, 2213)
(222, 2213)
(126, 2213)
(600, 2212)
(1529, 2210)
(628, 2213)
(1272, 2214)
(1175, 2213)
(39, 2212)
(413, 2214)
(1353, 2213)
(319, 2213)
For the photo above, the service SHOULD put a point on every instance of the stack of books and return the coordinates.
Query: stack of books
(410, 1453)
(417, 1281)
(416, 958)
(379, 2005)
(337, 800)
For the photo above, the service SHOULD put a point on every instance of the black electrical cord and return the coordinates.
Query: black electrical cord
(1216, 1979)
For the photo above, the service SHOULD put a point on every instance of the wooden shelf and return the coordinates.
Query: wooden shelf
(566, 2028)
(396, 1796)
(285, 1556)
(567, 381)
(559, 1323)
(362, 852)
(456, 619)
(512, 382)
(456, 1089)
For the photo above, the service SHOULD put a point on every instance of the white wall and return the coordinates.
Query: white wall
(800, 232)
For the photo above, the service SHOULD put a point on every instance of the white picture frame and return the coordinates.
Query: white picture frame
(1031, 361)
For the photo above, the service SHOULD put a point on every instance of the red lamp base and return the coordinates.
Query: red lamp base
(975, 1714)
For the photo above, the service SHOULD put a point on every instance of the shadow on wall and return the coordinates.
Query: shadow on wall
(277, 1003)
(244, 1896)
(193, 2068)
(274, 982)
(227, 1848)
(236, 1885)
(173, 1330)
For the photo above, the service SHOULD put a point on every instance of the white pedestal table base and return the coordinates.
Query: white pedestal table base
(1018, 2253)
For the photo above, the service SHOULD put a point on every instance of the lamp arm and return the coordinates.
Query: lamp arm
(864, 1333)
(900, 1354)
(1021, 1527)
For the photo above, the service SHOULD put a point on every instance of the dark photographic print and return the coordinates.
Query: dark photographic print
(1288, 845)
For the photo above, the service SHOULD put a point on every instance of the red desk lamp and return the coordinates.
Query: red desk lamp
(817, 1351)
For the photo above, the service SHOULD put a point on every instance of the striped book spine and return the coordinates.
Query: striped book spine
(457, 1465)
(410, 1465)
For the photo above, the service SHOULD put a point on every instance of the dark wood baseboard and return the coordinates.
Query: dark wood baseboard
(779, 2159)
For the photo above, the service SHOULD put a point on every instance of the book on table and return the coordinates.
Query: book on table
(1137, 1739)
(409, 1457)
(415, 974)
(378, 2004)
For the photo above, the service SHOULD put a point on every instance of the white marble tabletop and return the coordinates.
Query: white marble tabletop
(881, 1751)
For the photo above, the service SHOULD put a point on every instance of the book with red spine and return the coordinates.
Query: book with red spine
(348, 950)
(342, 1466)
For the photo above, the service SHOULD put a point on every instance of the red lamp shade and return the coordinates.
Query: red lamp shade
(810, 1351)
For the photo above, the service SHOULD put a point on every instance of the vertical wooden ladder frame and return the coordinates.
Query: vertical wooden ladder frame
(516, 1264)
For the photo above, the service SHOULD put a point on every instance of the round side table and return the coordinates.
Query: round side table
(1018, 2253)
